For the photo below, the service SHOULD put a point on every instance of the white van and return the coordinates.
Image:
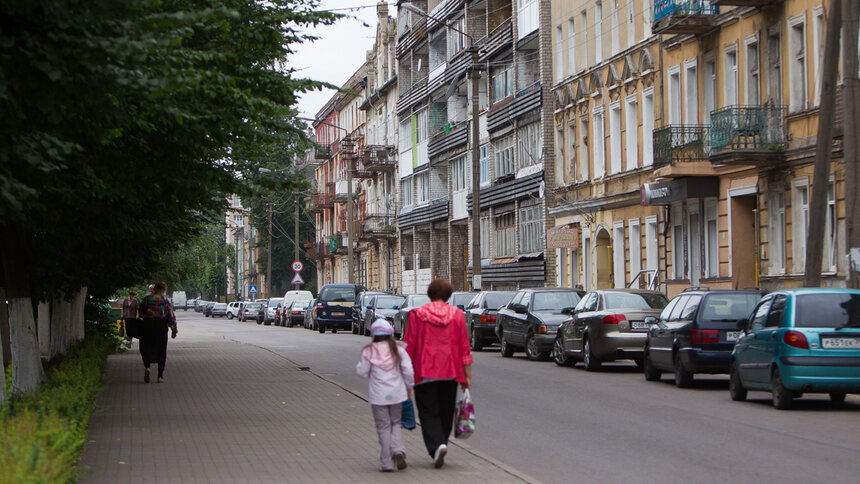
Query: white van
(289, 297)
(179, 301)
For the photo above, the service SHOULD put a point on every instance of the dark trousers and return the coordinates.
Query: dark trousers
(436, 402)
(153, 343)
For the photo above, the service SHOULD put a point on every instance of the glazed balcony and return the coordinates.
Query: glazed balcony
(748, 134)
(684, 16)
(681, 143)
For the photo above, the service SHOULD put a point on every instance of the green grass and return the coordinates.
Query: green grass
(42, 435)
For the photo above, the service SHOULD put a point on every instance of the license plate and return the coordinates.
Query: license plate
(840, 343)
(732, 335)
(639, 325)
(339, 313)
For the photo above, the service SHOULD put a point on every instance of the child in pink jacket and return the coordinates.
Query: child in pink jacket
(387, 364)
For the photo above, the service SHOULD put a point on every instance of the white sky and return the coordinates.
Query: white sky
(338, 53)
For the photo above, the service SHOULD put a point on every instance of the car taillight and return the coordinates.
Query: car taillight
(488, 318)
(795, 339)
(613, 319)
(701, 336)
(319, 308)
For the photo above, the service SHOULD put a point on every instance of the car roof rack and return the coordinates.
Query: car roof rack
(696, 288)
(755, 288)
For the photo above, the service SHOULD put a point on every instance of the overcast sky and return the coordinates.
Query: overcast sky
(339, 52)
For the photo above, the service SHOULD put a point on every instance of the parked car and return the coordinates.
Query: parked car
(289, 297)
(192, 304)
(207, 310)
(295, 312)
(461, 299)
(273, 305)
(233, 309)
(359, 309)
(381, 306)
(334, 306)
(696, 333)
(607, 325)
(218, 309)
(481, 314)
(200, 305)
(179, 301)
(402, 317)
(309, 315)
(261, 312)
(532, 318)
(250, 311)
(799, 341)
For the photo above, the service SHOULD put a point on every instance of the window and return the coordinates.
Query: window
(774, 66)
(502, 79)
(760, 315)
(616, 29)
(460, 174)
(709, 99)
(694, 239)
(238, 220)
(689, 311)
(799, 222)
(561, 168)
(531, 229)
(676, 312)
(632, 135)
(456, 36)
(631, 26)
(634, 248)
(667, 311)
(583, 149)
(677, 241)
(485, 163)
(599, 140)
(752, 73)
(423, 182)
(731, 83)
(505, 234)
(648, 126)
(818, 52)
(530, 145)
(646, 20)
(571, 47)
(237, 202)
(583, 35)
(829, 262)
(569, 167)
(598, 32)
(776, 232)
(559, 53)
(406, 134)
(797, 63)
(406, 191)
(422, 119)
(651, 242)
(504, 156)
(485, 235)
(615, 137)
(691, 92)
(774, 317)
(618, 254)
(438, 53)
(712, 250)
(675, 95)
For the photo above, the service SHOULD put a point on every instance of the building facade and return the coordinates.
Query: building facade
(242, 235)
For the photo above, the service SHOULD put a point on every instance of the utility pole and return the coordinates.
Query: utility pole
(269, 257)
(296, 236)
(350, 161)
(475, 76)
(823, 149)
(851, 139)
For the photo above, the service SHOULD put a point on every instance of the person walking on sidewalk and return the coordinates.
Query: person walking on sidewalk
(129, 312)
(437, 342)
(158, 316)
(387, 364)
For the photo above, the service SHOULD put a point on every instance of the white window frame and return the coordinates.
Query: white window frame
(651, 256)
(730, 82)
(634, 246)
(485, 164)
(584, 167)
(616, 28)
(559, 53)
(678, 241)
(691, 91)
(674, 92)
(530, 144)
(797, 63)
(776, 231)
(422, 120)
(503, 156)
(618, 269)
(752, 72)
(571, 46)
(531, 231)
(599, 140)
(583, 35)
(485, 234)
(712, 251)
(423, 187)
(799, 223)
(631, 133)
(615, 165)
(831, 230)
(648, 127)
(598, 32)
(818, 28)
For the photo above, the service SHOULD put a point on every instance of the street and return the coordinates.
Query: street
(555, 423)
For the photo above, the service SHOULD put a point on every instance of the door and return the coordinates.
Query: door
(743, 241)
(603, 260)
(519, 321)
(504, 319)
(752, 360)
(663, 335)
(695, 250)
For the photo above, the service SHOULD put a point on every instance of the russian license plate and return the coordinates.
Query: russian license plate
(840, 343)
(639, 325)
(338, 313)
(732, 335)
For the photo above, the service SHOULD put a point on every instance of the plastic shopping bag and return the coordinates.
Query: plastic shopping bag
(464, 417)
(407, 417)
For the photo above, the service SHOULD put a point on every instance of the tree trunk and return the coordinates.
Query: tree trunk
(43, 321)
(78, 316)
(60, 327)
(6, 350)
(27, 371)
(4, 321)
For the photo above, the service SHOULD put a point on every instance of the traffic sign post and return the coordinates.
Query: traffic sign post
(252, 289)
(298, 279)
(298, 266)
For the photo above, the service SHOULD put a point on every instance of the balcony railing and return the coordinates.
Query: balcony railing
(322, 152)
(745, 3)
(378, 226)
(323, 200)
(681, 143)
(378, 158)
(683, 16)
(748, 133)
(452, 135)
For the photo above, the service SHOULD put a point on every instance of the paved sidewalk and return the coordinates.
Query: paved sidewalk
(230, 412)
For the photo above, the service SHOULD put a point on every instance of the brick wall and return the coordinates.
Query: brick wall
(458, 238)
(547, 128)
(439, 252)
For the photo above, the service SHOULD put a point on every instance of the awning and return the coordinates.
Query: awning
(667, 192)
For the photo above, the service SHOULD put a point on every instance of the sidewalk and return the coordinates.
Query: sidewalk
(230, 412)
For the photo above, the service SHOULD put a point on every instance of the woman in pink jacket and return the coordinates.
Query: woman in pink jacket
(438, 344)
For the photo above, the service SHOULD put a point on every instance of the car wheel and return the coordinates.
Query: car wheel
(532, 352)
(259, 321)
(321, 329)
(781, 395)
(507, 349)
(736, 387)
(366, 330)
(558, 354)
(333, 330)
(837, 397)
(354, 328)
(591, 362)
(651, 373)
(683, 378)
(229, 315)
(476, 341)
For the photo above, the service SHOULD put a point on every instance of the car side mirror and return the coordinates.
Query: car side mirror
(566, 311)
(650, 320)
(742, 325)
(519, 309)
(460, 306)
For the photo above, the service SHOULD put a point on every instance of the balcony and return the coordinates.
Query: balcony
(361, 172)
(378, 227)
(322, 200)
(683, 16)
(322, 152)
(449, 137)
(744, 3)
(748, 134)
(341, 190)
(319, 251)
(681, 143)
(378, 159)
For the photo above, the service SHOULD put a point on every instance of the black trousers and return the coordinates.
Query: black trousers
(436, 402)
(153, 343)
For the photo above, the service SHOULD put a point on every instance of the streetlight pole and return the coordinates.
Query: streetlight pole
(296, 236)
(269, 257)
(475, 77)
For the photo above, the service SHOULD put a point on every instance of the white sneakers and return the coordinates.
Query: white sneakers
(439, 456)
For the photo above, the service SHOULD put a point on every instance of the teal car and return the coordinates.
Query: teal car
(799, 341)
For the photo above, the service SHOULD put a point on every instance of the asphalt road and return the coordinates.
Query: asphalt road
(566, 424)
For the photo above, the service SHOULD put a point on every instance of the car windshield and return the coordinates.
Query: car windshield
(554, 301)
(461, 299)
(220, 306)
(495, 300)
(253, 306)
(418, 301)
(276, 301)
(631, 300)
(729, 307)
(388, 302)
(837, 310)
(339, 294)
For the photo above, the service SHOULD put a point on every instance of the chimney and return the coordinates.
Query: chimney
(382, 10)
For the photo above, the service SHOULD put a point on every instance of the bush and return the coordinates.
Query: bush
(42, 435)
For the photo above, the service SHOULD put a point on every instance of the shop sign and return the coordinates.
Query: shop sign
(562, 238)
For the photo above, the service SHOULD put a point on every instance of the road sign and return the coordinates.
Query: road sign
(297, 266)
(252, 289)
(298, 279)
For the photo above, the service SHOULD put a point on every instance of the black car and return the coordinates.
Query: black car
(461, 299)
(359, 309)
(383, 306)
(207, 310)
(402, 317)
(481, 314)
(334, 306)
(696, 333)
(532, 318)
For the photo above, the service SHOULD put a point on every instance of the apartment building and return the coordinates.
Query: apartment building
(242, 235)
